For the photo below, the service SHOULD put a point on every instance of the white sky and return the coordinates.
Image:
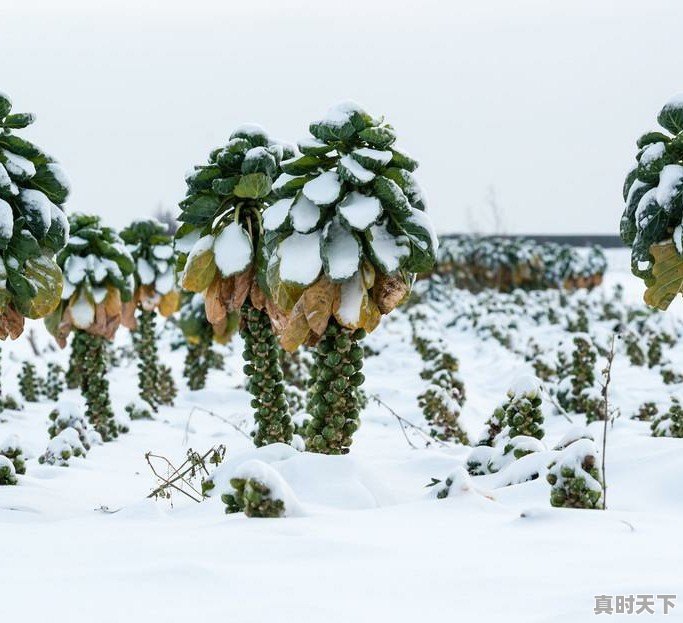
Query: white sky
(539, 100)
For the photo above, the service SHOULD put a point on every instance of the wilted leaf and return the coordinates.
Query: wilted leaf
(200, 271)
(667, 276)
(389, 291)
(317, 301)
(215, 310)
(296, 330)
(169, 303)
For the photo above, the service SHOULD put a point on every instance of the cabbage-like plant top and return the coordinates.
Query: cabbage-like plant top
(33, 226)
(349, 222)
(98, 279)
(651, 222)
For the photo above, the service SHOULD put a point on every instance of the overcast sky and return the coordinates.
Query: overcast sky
(535, 103)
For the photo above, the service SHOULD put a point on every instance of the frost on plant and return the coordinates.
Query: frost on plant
(98, 281)
(151, 248)
(653, 196)
(11, 449)
(221, 244)
(33, 227)
(575, 478)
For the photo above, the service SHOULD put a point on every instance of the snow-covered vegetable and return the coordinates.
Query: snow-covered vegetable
(575, 477)
(151, 248)
(29, 383)
(222, 234)
(523, 412)
(69, 415)
(98, 280)
(507, 264)
(54, 383)
(578, 392)
(670, 424)
(12, 449)
(653, 192)
(199, 335)
(349, 230)
(62, 448)
(33, 227)
(8, 475)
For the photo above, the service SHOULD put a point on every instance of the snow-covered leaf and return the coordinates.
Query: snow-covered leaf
(359, 211)
(304, 214)
(300, 261)
(350, 171)
(671, 115)
(323, 190)
(275, 216)
(200, 268)
(372, 159)
(387, 250)
(340, 250)
(233, 250)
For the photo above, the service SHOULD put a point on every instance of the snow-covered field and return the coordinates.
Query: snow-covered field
(369, 541)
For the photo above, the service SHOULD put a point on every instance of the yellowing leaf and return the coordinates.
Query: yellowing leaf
(318, 301)
(46, 276)
(296, 331)
(200, 271)
(667, 276)
(169, 303)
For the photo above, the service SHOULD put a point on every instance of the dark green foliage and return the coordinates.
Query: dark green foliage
(74, 374)
(523, 413)
(670, 376)
(442, 400)
(137, 411)
(95, 388)
(634, 351)
(166, 390)
(581, 398)
(670, 424)
(32, 191)
(8, 475)
(333, 400)
(264, 378)
(654, 350)
(197, 361)
(29, 385)
(12, 450)
(494, 425)
(647, 412)
(252, 497)
(575, 477)
(296, 370)
(144, 342)
(54, 385)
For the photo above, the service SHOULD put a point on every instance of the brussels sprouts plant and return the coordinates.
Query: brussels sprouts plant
(33, 226)
(342, 245)
(151, 248)
(651, 222)
(98, 280)
(199, 335)
(222, 232)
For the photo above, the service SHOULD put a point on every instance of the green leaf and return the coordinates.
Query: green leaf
(199, 209)
(287, 185)
(46, 278)
(5, 105)
(23, 245)
(49, 179)
(628, 182)
(379, 137)
(57, 235)
(403, 160)
(258, 160)
(304, 165)
(253, 134)
(392, 197)
(19, 120)
(333, 132)
(652, 160)
(225, 185)
(314, 147)
(671, 116)
(202, 178)
(422, 244)
(408, 185)
(652, 137)
(253, 186)
(8, 189)
(24, 148)
(652, 221)
(22, 287)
